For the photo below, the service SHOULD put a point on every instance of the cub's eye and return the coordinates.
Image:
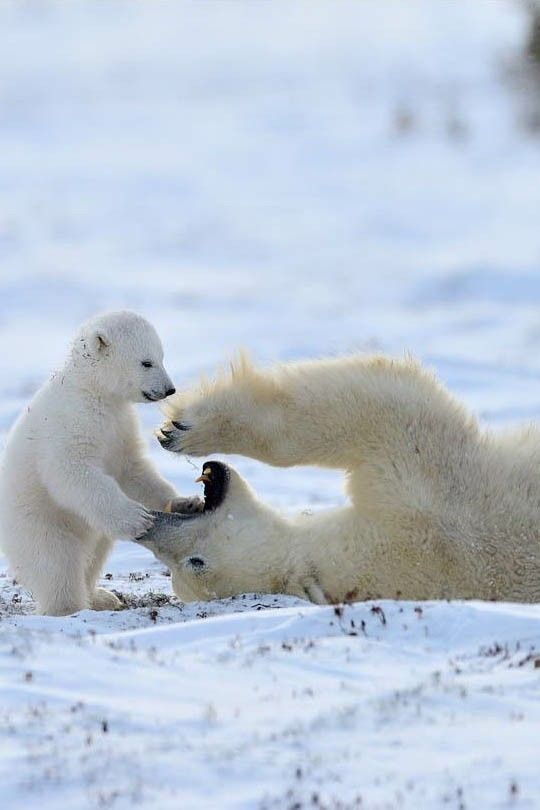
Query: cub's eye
(147, 363)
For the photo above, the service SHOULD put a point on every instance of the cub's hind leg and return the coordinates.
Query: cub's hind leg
(53, 570)
(100, 598)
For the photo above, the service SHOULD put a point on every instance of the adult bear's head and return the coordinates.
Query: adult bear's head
(234, 543)
(121, 355)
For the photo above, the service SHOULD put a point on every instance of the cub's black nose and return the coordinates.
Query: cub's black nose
(170, 392)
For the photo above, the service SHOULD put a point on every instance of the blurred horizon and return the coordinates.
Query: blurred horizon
(297, 179)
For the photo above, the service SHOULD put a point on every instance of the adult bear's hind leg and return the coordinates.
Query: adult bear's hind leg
(286, 415)
(330, 413)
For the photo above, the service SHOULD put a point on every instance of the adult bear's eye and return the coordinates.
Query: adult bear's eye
(197, 563)
(147, 363)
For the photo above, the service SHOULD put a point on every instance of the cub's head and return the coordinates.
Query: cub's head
(123, 355)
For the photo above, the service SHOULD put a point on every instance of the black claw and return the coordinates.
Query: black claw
(166, 433)
(169, 444)
(180, 426)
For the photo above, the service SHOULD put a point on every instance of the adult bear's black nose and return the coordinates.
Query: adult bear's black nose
(170, 392)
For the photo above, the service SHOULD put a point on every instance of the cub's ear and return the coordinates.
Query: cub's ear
(101, 342)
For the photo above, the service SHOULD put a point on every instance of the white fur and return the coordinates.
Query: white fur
(439, 508)
(74, 475)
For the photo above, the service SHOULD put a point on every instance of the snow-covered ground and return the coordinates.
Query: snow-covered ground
(300, 178)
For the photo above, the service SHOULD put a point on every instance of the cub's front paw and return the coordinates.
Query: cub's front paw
(135, 522)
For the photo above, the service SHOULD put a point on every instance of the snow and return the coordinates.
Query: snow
(304, 179)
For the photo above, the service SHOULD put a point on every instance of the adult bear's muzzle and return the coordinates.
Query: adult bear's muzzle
(171, 530)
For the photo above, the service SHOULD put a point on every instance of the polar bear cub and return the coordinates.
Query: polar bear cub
(74, 475)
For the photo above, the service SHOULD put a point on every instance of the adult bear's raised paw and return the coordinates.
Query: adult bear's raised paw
(200, 435)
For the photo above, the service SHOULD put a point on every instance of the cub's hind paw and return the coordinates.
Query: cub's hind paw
(102, 599)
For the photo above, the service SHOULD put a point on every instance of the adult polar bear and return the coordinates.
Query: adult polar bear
(74, 474)
(439, 508)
